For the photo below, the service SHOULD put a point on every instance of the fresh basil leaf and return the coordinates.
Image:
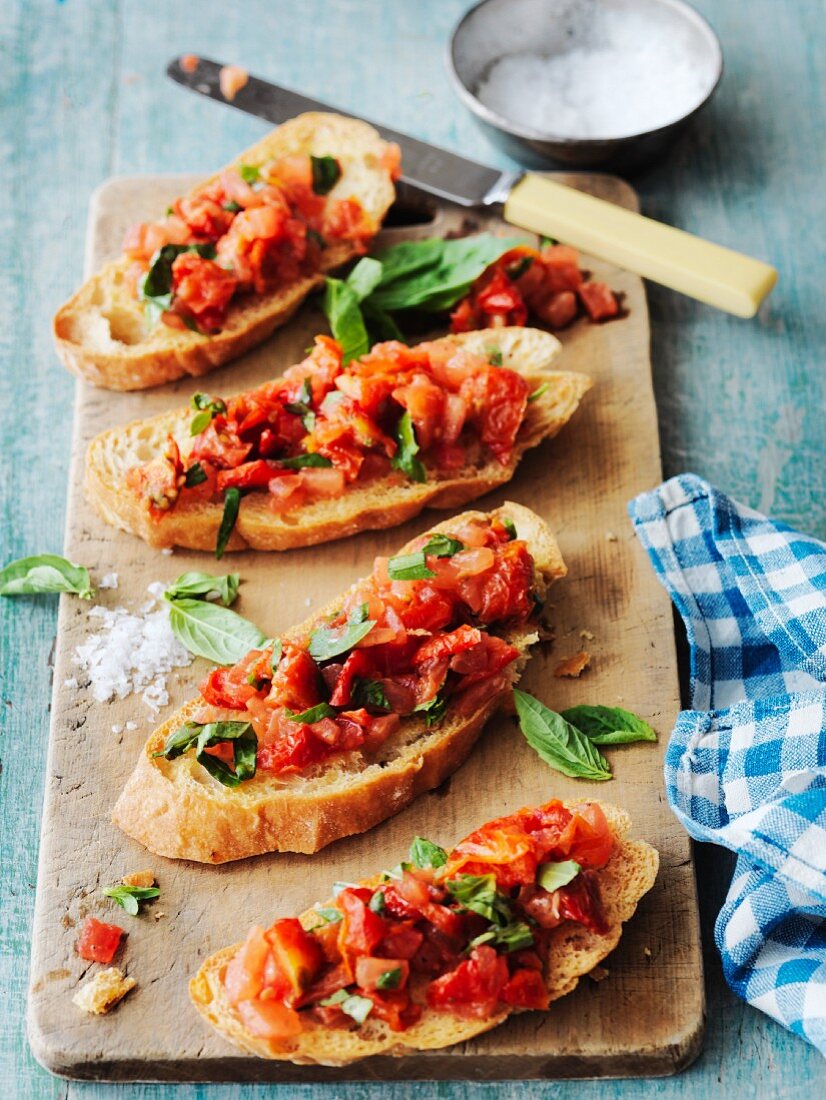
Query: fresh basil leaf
(365, 277)
(199, 422)
(246, 755)
(443, 546)
(328, 916)
(299, 461)
(129, 897)
(335, 998)
(409, 567)
(509, 526)
(609, 725)
(206, 586)
(518, 268)
(44, 573)
(313, 714)
(316, 237)
(359, 613)
(405, 457)
(537, 393)
(214, 632)
(326, 174)
(494, 356)
(194, 475)
(433, 276)
(478, 893)
(341, 308)
(200, 737)
(232, 505)
(426, 854)
(380, 325)
(232, 206)
(433, 710)
(155, 288)
(327, 642)
(553, 876)
(557, 742)
(180, 740)
(359, 1008)
(249, 173)
(370, 693)
(376, 902)
(207, 409)
(516, 936)
(303, 406)
(277, 649)
(545, 242)
(390, 979)
(332, 399)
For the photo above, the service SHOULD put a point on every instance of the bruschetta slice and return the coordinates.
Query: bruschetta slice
(344, 720)
(441, 948)
(232, 260)
(327, 450)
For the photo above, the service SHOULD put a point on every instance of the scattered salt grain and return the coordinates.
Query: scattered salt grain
(117, 729)
(131, 726)
(167, 551)
(109, 581)
(615, 73)
(71, 683)
(133, 652)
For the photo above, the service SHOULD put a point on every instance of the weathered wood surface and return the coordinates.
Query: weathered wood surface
(580, 484)
(738, 402)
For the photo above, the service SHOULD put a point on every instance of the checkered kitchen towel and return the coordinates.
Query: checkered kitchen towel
(747, 766)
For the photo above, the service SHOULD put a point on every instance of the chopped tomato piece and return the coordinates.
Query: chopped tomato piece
(270, 1019)
(375, 973)
(473, 989)
(98, 941)
(525, 989)
(244, 976)
(361, 930)
(296, 955)
(599, 301)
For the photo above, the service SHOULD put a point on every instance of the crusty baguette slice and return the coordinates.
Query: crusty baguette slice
(101, 333)
(574, 951)
(174, 808)
(378, 504)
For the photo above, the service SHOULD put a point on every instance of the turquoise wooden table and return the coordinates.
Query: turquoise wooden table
(740, 402)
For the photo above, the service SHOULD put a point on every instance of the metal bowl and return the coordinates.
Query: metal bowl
(494, 29)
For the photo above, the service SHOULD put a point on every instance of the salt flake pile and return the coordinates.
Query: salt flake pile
(623, 74)
(132, 653)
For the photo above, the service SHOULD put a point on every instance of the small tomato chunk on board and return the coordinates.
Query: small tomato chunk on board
(98, 941)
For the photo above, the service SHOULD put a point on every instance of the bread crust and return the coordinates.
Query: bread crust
(383, 503)
(573, 952)
(175, 809)
(100, 332)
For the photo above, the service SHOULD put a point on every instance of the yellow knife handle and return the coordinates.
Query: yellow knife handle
(713, 274)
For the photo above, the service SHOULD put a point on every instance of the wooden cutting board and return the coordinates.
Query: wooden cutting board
(646, 1016)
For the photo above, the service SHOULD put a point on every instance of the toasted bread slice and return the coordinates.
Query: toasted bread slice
(574, 951)
(176, 809)
(376, 504)
(102, 335)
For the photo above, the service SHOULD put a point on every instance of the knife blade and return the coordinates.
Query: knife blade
(701, 269)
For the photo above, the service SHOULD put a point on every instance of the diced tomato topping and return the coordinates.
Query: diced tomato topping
(580, 901)
(270, 1019)
(361, 930)
(202, 289)
(372, 972)
(473, 989)
(525, 989)
(98, 941)
(599, 301)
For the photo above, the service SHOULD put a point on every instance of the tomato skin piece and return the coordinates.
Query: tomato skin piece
(98, 941)
(358, 664)
(294, 750)
(473, 988)
(297, 680)
(202, 288)
(244, 975)
(370, 969)
(599, 300)
(362, 930)
(222, 688)
(249, 475)
(580, 901)
(269, 1019)
(525, 989)
(446, 645)
(558, 310)
(297, 955)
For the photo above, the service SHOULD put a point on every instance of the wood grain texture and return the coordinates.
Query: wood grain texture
(738, 402)
(579, 483)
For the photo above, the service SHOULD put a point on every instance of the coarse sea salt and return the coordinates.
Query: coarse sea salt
(615, 78)
(132, 652)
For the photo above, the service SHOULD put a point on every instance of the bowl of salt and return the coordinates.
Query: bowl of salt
(604, 84)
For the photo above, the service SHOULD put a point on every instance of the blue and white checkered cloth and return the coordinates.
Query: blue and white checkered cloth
(746, 767)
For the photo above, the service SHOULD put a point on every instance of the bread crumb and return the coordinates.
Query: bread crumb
(231, 79)
(647, 952)
(573, 666)
(599, 974)
(611, 537)
(142, 879)
(158, 914)
(586, 635)
(131, 725)
(117, 729)
(103, 991)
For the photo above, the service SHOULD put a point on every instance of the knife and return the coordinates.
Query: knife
(708, 272)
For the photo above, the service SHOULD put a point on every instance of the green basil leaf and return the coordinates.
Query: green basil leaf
(214, 632)
(433, 275)
(370, 693)
(336, 998)
(390, 979)
(129, 897)
(443, 546)
(207, 409)
(232, 505)
(316, 237)
(609, 725)
(194, 475)
(299, 461)
(545, 242)
(277, 649)
(313, 714)
(552, 876)
(494, 356)
(433, 710)
(426, 854)
(303, 406)
(409, 567)
(359, 1008)
(557, 742)
(327, 642)
(180, 740)
(249, 173)
(232, 206)
(328, 916)
(509, 525)
(326, 174)
(206, 586)
(518, 268)
(380, 325)
(516, 936)
(44, 573)
(365, 277)
(341, 308)
(376, 902)
(408, 447)
(537, 393)
(200, 737)
(338, 887)
(199, 422)
(478, 893)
